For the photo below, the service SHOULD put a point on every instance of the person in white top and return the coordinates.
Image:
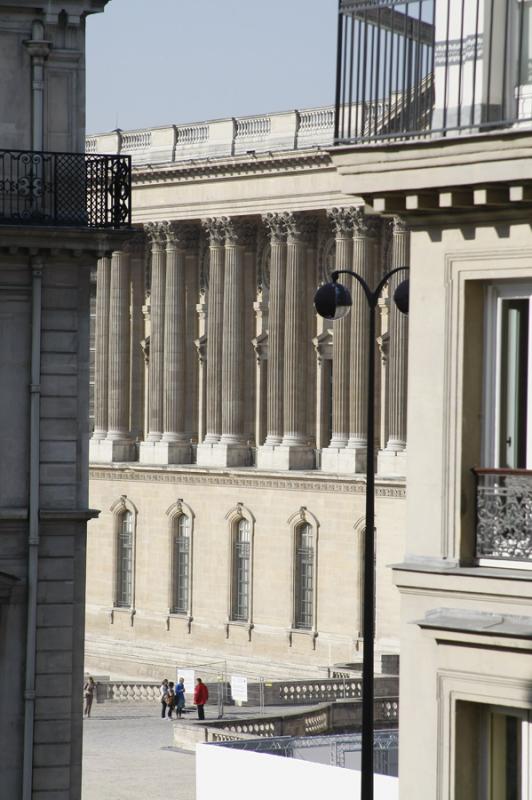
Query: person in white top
(163, 691)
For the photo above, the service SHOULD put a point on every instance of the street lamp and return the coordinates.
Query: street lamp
(333, 301)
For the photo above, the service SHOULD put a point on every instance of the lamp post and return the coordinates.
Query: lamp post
(333, 301)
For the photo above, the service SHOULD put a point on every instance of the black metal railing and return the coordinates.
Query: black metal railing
(504, 514)
(427, 68)
(65, 189)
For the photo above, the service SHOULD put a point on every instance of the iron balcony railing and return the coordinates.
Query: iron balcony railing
(504, 514)
(428, 68)
(65, 189)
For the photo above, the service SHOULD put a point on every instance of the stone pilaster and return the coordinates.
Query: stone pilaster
(118, 445)
(392, 460)
(215, 228)
(137, 249)
(156, 235)
(366, 254)
(342, 220)
(276, 225)
(103, 278)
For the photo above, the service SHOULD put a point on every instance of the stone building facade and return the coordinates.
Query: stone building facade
(50, 238)
(229, 443)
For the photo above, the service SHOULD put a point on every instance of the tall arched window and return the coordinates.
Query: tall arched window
(304, 576)
(124, 561)
(181, 565)
(241, 571)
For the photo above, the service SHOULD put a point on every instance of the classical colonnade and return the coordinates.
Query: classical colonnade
(205, 335)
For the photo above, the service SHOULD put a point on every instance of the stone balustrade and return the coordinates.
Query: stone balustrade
(226, 137)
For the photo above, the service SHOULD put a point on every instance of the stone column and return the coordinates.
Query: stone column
(215, 228)
(276, 225)
(392, 460)
(295, 452)
(103, 277)
(157, 239)
(365, 262)
(173, 447)
(136, 401)
(119, 444)
(233, 450)
(342, 220)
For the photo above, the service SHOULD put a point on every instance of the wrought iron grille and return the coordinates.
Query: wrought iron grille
(421, 68)
(504, 514)
(65, 189)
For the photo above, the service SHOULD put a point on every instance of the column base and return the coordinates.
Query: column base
(282, 457)
(344, 460)
(161, 453)
(391, 463)
(108, 451)
(219, 454)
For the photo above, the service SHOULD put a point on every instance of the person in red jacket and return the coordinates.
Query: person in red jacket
(201, 695)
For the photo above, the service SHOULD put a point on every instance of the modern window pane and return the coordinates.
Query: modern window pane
(514, 382)
(241, 571)
(304, 577)
(181, 566)
(124, 561)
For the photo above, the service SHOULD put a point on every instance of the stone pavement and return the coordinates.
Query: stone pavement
(128, 754)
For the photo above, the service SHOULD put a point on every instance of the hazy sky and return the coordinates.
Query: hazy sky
(154, 62)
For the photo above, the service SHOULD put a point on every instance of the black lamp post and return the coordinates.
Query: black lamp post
(333, 301)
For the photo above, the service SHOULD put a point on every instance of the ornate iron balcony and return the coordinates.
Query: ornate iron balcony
(65, 189)
(427, 68)
(504, 514)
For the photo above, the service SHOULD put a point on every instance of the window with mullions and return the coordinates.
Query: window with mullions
(181, 565)
(241, 571)
(304, 577)
(124, 561)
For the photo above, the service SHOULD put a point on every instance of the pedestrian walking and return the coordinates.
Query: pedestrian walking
(170, 699)
(179, 697)
(163, 691)
(88, 691)
(201, 695)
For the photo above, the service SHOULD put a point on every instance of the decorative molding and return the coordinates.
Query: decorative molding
(239, 233)
(366, 225)
(301, 227)
(347, 486)
(178, 509)
(276, 225)
(180, 235)
(156, 233)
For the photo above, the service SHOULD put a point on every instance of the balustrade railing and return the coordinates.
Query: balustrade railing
(65, 189)
(426, 68)
(504, 514)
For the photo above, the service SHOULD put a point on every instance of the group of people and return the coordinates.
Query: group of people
(173, 698)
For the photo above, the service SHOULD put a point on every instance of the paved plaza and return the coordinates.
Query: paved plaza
(128, 754)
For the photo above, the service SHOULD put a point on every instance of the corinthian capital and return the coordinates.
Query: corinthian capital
(156, 234)
(215, 229)
(180, 235)
(301, 227)
(366, 225)
(238, 233)
(342, 220)
(276, 226)
(399, 225)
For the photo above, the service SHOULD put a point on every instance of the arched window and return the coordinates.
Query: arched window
(304, 577)
(124, 561)
(181, 565)
(241, 568)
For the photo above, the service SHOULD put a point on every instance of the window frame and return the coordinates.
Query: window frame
(234, 517)
(175, 513)
(296, 522)
(119, 509)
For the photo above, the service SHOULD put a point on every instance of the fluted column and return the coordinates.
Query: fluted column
(276, 225)
(392, 460)
(156, 235)
(137, 277)
(103, 278)
(121, 446)
(342, 220)
(215, 228)
(233, 338)
(365, 261)
(297, 344)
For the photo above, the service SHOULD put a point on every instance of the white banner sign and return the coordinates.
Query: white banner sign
(239, 688)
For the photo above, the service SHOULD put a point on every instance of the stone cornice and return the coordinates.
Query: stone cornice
(247, 479)
(234, 167)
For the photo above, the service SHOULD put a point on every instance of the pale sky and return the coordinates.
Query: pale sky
(156, 62)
